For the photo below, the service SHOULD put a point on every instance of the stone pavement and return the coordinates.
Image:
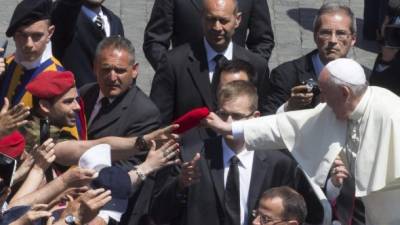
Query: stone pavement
(291, 20)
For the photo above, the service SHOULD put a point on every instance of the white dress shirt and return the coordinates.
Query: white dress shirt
(245, 167)
(211, 53)
(93, 16)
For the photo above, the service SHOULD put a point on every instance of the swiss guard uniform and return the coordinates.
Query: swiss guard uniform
(16, 77)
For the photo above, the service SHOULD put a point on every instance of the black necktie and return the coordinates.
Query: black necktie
(219, 61)
(232, 194)
(104, 106)
(99, 22)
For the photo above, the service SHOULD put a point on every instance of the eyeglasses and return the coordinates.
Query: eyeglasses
(264, 219)
(235, 116)
(326, 34)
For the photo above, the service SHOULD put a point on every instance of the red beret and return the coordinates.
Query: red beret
(50, 84)
(191, 119)
(12, 145)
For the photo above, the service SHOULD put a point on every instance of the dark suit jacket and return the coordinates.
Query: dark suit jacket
(388, 78)
(202, 203)
(76, 38)
(182, 82)
(287, 75)
(131, 114)
(179, 22)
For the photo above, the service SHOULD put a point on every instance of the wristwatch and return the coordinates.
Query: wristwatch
(70, 220)
(139, 173)
(141, 144)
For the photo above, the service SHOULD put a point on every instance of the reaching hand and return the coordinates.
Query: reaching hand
(37, 211)
(11, 119)
(217, 124)
(87, 206)
(338, 172)
(162, 135)
(161, 157)
(44, 154)
(77, 177)
(24, 168)
(190, 173)
(300, 97)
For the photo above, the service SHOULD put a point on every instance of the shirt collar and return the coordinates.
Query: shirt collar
(361, 107)
(244, 156)
(211, 53)
(47, 54)
(91, 14)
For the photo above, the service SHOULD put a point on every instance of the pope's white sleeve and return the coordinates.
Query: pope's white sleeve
(259, 133)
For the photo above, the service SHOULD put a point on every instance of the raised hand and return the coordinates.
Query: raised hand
(44, 154)
(300, 97)
(161, 157)
(77, 177)
(11, 119)
(338, 172)
(190, 173)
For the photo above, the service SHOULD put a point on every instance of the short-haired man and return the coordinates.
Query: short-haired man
(355, 123)
(232, 175)
(171, 20)
(335, 35)
(115, 106)
(187, 77)
(280, 205)
(236, 69)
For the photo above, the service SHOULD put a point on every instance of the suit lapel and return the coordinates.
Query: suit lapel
(239, 53)
(214, 157)
(114, 111)
(308, 68)
(198, 70)
(108, 13)
(258, 173)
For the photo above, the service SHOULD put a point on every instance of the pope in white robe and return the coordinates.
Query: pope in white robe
(316, 136)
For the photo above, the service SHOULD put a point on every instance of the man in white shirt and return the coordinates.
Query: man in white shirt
(233, 177)
(360, 121)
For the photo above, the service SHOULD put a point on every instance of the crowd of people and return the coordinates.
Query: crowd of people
(81, 143)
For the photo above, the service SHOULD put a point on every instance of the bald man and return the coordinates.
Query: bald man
(354, 120)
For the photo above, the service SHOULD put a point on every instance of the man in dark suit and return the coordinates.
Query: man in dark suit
(186, 77)
(81, 25)
(116, 107)
(223, 184)
(179, 22)
(334, 35)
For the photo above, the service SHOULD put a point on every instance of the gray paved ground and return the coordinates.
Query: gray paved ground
(291, 21)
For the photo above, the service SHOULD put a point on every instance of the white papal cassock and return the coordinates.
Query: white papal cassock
(315, 137)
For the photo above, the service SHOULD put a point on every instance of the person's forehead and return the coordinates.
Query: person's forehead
(241, 102)
(38, 26)
(112, 54)
(338, 18)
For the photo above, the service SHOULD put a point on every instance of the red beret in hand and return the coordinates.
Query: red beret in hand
(13, 144)
(50, 84)
(191, 119)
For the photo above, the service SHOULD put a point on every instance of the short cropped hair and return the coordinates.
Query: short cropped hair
(117, 42)
(294, 206)
(238, 65)
(238, 88)
(334, 7)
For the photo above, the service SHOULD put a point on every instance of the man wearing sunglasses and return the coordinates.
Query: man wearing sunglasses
(221, 185)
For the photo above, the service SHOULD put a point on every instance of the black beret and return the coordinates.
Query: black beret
(28, 12)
